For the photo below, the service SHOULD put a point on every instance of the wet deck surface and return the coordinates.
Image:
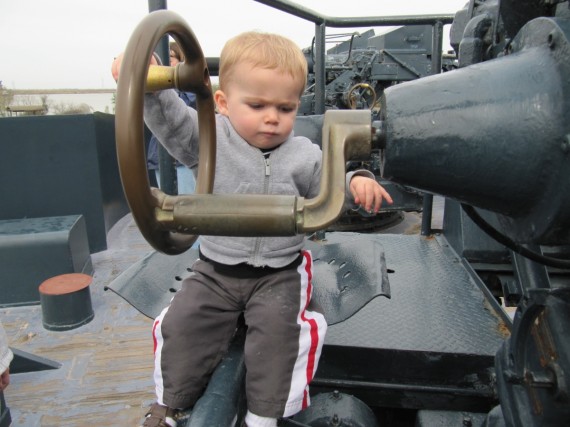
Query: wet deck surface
(105, 378)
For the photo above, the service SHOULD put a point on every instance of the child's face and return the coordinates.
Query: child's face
(261, 104)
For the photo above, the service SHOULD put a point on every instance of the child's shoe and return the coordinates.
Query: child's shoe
(161, 416)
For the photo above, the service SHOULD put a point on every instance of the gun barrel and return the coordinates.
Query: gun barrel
(494, 135)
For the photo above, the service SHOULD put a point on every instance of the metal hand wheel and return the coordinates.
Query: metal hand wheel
(361, 93)
(171, 224)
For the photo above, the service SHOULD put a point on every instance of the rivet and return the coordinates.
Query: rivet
(565, 145)
(551, 40)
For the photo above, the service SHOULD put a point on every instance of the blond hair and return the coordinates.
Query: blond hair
(264, 50)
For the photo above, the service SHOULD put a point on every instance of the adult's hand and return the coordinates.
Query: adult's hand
(116, 65)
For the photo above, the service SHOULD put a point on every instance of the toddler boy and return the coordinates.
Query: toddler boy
(262, 77)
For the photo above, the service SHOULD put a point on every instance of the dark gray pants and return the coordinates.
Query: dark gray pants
(283, 344)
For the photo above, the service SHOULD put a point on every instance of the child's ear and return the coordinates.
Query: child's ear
(221, 102)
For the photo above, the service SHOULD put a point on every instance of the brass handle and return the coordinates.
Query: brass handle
(346, 135)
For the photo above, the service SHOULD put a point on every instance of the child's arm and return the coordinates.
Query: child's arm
(174, 124)
(368, 193)
(169, 119)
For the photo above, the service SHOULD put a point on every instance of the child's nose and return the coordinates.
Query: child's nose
(272, 115)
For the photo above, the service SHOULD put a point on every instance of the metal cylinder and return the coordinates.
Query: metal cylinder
(494, 135)
(66, 301)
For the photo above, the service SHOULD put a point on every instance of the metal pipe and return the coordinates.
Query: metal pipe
(436, 46)
(339, 22)
(427, 209)
(365, 385)
(168, 178)
(320, 83)
(222, 398)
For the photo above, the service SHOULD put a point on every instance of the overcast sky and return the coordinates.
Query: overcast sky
(71, 43)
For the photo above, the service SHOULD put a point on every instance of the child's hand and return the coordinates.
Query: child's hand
(368, 193)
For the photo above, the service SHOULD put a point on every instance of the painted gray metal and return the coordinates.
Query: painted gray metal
(52, 245)
(435, 306)
(344, 282)
(460, 135)
(62, 165)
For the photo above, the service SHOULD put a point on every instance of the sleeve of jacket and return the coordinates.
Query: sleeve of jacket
(6, 354)
(174, 124)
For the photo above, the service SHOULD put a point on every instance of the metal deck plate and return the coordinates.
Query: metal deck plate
(435, 306)
(347, 276)
(149, 284)
(344, 280)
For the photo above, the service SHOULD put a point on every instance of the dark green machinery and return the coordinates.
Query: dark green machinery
(494, 135)
(493, 138)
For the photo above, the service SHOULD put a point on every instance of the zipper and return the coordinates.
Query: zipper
(257, 247)
(267, 166)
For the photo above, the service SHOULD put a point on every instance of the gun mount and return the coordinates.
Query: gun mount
(498, 127)
(354, 73)
(494, 134)
(358, 69)
(491, 137)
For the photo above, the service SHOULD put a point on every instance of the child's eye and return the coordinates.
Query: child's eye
(256, 106)
(287, 109)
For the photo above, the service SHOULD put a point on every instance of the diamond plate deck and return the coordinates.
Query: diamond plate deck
(435, 306)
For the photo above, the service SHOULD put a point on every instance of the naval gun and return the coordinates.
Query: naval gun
(357, 69)
(494, 136)
(359, 66)
(491, 137)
